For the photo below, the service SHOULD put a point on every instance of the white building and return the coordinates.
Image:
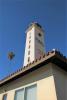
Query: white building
(43, 79)
(34, 43)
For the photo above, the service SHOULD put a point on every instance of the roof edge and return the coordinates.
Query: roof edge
(53, 56)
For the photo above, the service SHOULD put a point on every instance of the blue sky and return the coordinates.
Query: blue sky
(16, 15)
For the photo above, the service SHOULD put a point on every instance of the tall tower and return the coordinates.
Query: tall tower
(34, 43)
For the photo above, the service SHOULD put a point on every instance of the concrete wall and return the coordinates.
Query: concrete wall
(44, 79)
(60, 77)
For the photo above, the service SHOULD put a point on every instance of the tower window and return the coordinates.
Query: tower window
(28, 59)
(39, 34)
(28, 52)
(29, 46)
(30, 41)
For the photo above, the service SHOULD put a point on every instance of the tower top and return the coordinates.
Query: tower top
(34, 24)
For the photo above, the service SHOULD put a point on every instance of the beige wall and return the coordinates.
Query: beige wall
(44, 79)
(60, 77)
(46, 89)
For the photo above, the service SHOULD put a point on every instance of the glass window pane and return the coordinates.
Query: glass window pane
(5, 97)
(31, 93)
(19, 94)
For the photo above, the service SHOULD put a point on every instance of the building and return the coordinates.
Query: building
(45, 78)
(34, 43)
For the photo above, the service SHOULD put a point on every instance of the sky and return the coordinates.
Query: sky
(16, 15)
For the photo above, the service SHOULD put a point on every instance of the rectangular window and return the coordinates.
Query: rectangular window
(28, 52)
(28, 93)
(28, 59)
(29, 46)
(5, 97)
(19, 95)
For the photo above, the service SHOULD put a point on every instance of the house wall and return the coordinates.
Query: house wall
(44, 79)
(60, 77)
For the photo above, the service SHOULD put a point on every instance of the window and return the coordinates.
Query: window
(19, 95)
(28, 93)
(39, 34)
(28, 52)
(29, 46)
(5, 97)
(29, 41)
(28, 59)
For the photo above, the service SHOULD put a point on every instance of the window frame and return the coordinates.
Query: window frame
(24, 88)
(17, 91)
(4, 95)
(28, 87)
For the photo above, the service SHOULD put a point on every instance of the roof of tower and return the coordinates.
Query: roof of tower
(53, 56)
(34, 24)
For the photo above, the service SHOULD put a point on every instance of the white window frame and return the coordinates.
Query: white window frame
(24, 88)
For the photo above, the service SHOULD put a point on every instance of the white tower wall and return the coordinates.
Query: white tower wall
(34, 43)
(39, 43)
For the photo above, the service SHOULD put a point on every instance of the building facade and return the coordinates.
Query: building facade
(43, 77)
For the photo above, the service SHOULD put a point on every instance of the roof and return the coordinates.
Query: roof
(34, 24)
(51, 57)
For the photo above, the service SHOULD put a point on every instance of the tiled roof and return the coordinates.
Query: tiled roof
(53, 56)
